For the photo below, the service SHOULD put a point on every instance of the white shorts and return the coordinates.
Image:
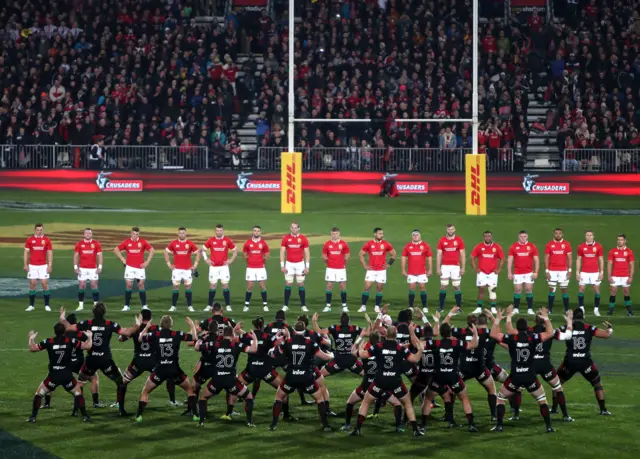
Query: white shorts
(379, 277)
(178, 275)
(589, 279)
(419, 279)
(219, 273)
(294, 269)
(256, 274)
(38, 272)
(335, 275)
(620, 282)
(523, 279)
(486, 280)
(450, 272)
(134, 273)
(87, 274)
(559, 277)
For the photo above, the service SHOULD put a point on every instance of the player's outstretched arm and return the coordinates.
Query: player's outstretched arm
(316, 327)
(508, 322)
(548, 333)
(605, 334)
(327, 356)
(63, 321)
(453, 312)
(416, 343)
(145, 331)
(86, 345)
(473, 344)
(495, 329)
(192, 328)
(254, 343)
(568, 333)
(33, 347)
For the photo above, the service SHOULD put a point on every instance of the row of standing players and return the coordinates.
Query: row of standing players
(381, 353)
(487, 259)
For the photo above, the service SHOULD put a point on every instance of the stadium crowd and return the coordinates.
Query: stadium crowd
(146, 73)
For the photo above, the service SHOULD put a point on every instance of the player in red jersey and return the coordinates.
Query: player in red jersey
(256, 253)
(376, 267)
(87, 264)
(557, 260)
(620, 267)
(590, 269)
(487, 259)
(294, 263)
(38, 262)
(182, 267)
(417, 255)
(523, 264)
(134, 265)
(219, 247)
(335, 254)
(450, 265)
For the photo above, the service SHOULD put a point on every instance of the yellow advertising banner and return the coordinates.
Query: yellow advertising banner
(476, 184)
(291, 183)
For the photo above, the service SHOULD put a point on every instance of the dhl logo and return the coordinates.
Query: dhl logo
(476, 185)
(291, 182)
(476, 199)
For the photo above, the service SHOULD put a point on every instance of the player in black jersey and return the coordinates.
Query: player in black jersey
(218, 318)
(99, 357)
(60, 373)
(522, 344)
(299, 351)
(447, 380)
(344, 336)
(472, 361)
(325, 344)
(165, 344)
(389, 356)
(577, 358)
(224, 351)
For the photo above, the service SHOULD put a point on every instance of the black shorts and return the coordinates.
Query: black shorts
(317, 373)
(545, 369)
(481, 374)
(344, 362)
(233, 386)
(526, 381)
(363, 387)
(442, 382)
(306, 384)
(93, 364)
(204, 373)
(66, 381)
(251, 374)
(76, 365)
(136, 368)
(385, 391)
(424, 379)
(586, 368)
(177, 376)
(409, 369)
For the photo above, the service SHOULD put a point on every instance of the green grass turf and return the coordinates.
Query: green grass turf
(164, 434)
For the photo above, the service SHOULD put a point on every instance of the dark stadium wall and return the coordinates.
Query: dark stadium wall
(68, 180)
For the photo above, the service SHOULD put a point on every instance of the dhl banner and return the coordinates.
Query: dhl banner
(291, 183)
(476, 184)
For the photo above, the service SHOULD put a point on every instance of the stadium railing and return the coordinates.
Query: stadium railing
(114, 157)
(605, 160)
(382, 159)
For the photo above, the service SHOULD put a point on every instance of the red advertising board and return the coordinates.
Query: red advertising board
(529, 6)
(249, 5)
(81, 181)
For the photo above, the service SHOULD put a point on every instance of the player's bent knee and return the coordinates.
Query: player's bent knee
(557, 387)
(501, 397)
(541, 398)
(598, 387)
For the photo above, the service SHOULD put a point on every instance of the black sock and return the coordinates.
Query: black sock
(141, 406)
(412, 298)
(397, 411)
(565, 302)
(343, 296)
(76, 406)
(530, 300)
(376, 409)
(143, 297)
(32, 297)
(81, 404)
(612, 302)
(544, 411)
(596, 300)
(171, 390)
(287, 295)
(470, 419)
(37, 401)
(255, 388)
(581, 300)
(47, 296)
(360, 422)
(327, 403)
(492, 399)
(364, 299)
(323, 410)
(96, 296)
(348, 413)
(517, 401)
(443, 297)
(562, 402)
(458, 297)
(448, 411)
(247, 297)
(602, 405)
(328, 296)
(303, 296)
(627, 302)
(188, 294)
(212, 296)
(227, 296)
(285, 409)
(80, 296)
(554, 398)
(122, 395)
(191, 403)
(301, 394)
(263, 294)
(174, 297)
(229, 409)
(378, 299)
(414, 425)
(248, 408)
(47, 399)
(500, 410)
(95, 397)
(423, 298)
(202, 409)
(424, 420)
(127, 297)
(551, 298)
(277, 406)
(516, 301)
